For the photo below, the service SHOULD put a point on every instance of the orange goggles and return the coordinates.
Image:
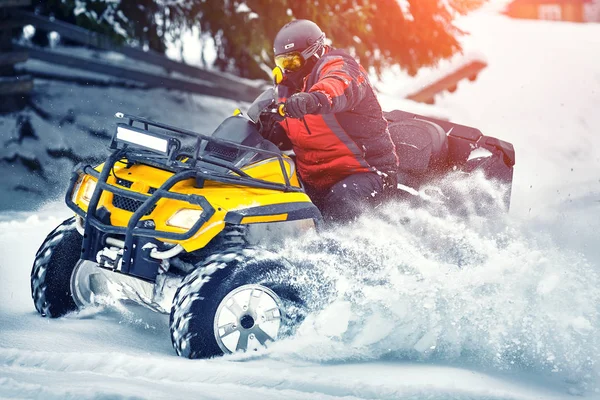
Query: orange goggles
(290, 61)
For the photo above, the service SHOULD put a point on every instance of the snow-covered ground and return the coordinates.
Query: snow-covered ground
(436, 308)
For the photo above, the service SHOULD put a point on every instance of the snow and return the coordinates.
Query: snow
(479, 153)
(408, 189)
(194, 49)
(343, 351)
(407, 303)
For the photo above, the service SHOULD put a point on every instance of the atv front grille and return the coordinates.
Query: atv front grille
(127, 204)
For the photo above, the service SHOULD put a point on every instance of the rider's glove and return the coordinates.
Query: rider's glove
(300, 104)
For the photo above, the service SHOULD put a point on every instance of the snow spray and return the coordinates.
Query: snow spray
(430, 284)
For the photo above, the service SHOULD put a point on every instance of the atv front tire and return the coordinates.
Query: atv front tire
(53, 268)
(235, 301)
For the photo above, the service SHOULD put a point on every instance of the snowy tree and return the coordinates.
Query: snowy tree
(411, 33)
(146, 23)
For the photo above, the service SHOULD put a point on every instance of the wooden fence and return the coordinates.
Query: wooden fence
(448, 82)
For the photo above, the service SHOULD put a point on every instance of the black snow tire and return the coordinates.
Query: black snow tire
(199, 295)
(52, 270)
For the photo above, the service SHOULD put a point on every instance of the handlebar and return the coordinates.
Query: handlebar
(277, 110)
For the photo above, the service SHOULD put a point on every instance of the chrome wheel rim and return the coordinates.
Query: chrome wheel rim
(81, 290)
(248, 318)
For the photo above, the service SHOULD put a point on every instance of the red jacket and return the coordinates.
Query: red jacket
(349, 135)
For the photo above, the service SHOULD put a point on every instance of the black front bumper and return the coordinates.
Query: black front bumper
(97, 224)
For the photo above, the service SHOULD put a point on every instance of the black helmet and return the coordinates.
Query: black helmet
(301, 37)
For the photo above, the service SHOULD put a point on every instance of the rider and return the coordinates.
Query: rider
(344, 152)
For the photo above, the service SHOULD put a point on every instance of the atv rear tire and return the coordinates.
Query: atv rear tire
(52, 270)
(204, 300)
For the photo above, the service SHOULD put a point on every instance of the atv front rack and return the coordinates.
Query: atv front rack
(172, 158)
(100, 218)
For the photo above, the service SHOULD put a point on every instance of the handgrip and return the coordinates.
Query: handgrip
(281, 109)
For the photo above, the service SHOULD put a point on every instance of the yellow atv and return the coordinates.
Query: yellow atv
(169, 221)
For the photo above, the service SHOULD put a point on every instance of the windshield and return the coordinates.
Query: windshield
(263, 101)
(238, 130)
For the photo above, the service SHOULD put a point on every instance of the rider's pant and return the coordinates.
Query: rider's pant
(345, 200)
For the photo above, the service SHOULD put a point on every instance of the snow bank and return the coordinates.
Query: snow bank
(42, 143)
(541, 92)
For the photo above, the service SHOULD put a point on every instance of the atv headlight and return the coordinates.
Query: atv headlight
(88, 191)
(184, 218)
(75, 192)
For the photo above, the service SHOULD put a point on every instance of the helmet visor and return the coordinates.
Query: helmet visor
(290, 61)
